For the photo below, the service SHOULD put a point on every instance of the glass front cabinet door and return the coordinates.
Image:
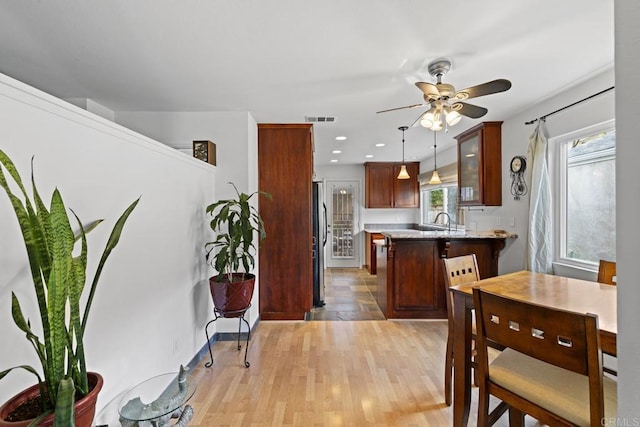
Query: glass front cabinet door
(480, 165)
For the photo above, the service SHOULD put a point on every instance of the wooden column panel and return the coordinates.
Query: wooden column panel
(285, 169)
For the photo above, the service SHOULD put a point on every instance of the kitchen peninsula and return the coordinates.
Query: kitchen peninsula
(410, 281)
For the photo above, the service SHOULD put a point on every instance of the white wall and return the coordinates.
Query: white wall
(627, 36)
(153, 300)
(236, 137)
(230, 131)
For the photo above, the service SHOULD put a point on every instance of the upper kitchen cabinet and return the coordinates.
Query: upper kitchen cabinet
(480, 165)
(384, 190)
(285, 169)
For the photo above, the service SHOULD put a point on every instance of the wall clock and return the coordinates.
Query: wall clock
(518, 184)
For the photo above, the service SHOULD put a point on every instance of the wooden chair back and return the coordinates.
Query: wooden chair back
(458, 270)
(461, 269)
(565, 339)
(607, 272)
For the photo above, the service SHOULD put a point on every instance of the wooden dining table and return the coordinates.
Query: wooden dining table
(544, 289)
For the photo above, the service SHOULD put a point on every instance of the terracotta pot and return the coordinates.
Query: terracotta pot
(84, 409)
(232, 298)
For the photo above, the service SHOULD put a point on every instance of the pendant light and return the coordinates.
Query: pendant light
(403, 169)
(435, 178)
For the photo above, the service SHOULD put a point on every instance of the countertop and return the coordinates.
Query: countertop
(444, 234)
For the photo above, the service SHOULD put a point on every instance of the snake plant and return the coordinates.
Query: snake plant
(59, 279)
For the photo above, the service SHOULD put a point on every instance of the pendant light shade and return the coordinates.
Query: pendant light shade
(403, 169)
(435, 178)
(403, 173)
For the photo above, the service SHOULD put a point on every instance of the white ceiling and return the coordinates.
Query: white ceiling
(282, 60)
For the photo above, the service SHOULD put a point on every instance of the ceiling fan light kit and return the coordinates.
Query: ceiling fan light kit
(445, 103)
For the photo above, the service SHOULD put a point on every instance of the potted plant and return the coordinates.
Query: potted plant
(59, 278)
(237, 224)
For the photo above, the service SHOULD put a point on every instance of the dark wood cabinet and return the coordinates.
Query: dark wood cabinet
(480, 165)
(370, 251)
(406, 191)
(384, 190)
(285, 169)
(410, 282)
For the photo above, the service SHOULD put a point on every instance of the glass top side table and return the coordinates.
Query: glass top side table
(157, 400)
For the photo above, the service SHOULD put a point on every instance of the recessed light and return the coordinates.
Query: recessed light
(380, 145)
(340, 138)
(336, 151)
(368, 156)
(334, 160)
(414, 157)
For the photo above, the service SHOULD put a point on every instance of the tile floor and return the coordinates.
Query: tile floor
(349, 295)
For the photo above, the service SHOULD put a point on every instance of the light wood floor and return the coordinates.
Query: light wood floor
(329, 373)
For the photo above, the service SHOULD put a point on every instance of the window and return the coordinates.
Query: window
(440, 199)
(585, 226)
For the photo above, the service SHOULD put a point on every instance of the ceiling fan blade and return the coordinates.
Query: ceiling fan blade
(483, 89)
(430, 91)
(402, 108)
(469, 110)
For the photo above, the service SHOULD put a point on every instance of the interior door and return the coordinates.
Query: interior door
(342, 224)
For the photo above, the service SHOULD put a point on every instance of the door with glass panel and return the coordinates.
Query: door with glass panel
(342, 212)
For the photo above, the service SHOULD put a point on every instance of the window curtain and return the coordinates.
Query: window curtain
(539, 252)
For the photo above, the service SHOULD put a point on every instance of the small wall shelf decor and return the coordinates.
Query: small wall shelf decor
(205, 151)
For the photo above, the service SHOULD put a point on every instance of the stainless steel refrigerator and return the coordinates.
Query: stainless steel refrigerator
(319, 242)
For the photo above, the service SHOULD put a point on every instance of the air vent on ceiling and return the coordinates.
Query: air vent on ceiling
(319, 119)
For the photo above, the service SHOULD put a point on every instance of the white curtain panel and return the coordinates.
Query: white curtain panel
(539, 252)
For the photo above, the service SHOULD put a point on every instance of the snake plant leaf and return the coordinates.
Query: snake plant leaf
(33, 231)
(62, 241)
(36, 421)
(25, 367)
(64, 405)
(88, 227)
(18, 317)
(77, 281)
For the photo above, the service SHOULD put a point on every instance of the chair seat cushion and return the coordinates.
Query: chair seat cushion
(558, 390)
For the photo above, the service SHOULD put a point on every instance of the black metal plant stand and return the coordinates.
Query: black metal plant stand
(230, 314)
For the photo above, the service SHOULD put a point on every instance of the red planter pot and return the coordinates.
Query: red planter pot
(84, 409)
(231, 299)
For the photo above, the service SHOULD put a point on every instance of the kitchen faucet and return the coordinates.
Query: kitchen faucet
(435, 220)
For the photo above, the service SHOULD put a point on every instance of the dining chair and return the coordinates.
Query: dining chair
(457, 270)
(551, 368)
(607, 272)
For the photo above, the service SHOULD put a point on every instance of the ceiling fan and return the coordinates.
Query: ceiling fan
(446, 106)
